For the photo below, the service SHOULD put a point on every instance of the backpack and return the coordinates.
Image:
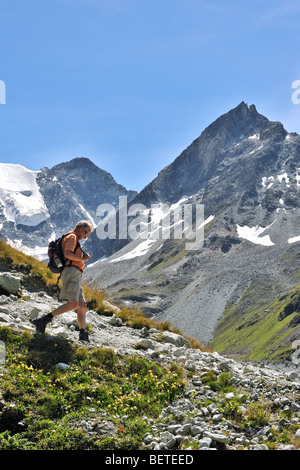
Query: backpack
(57, 261)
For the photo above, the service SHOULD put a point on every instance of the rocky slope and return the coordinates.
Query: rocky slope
(226, 404)
(244, 170)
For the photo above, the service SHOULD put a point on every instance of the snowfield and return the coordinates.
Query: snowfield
(20, 195)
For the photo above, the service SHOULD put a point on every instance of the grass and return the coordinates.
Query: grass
(254, 332)
(14, 258)
(218, 383)
(44, 407)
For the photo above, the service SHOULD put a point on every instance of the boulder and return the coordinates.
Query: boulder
(10, 283)
(175, 339)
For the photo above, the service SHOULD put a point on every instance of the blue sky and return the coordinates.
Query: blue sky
(131, 83)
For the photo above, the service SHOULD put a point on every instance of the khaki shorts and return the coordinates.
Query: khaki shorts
(71, 289)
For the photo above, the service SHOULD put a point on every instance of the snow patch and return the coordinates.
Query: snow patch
(298, 178)
(254, 151)
(139, 250)
(207, 221)
(267, 182)
(294, 239)
(252, 234)
(38, 252)
(254, 137)
(20, 195)
(284, 176)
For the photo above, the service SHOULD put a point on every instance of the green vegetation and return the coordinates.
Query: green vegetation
(218, 383)
(44, 407)
(255, 330)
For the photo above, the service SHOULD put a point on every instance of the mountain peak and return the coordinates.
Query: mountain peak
(77, 162)
(241, 120)
(240, 128)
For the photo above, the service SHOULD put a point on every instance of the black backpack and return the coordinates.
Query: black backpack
(57, 261)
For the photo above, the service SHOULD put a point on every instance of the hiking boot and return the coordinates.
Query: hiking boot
(84, 336)
(41, 323)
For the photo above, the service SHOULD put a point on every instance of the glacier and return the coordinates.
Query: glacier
(20, 195)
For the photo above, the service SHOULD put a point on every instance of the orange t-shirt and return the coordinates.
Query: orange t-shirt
(69, 243)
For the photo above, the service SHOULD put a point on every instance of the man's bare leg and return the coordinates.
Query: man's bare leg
(40, 323)
(67, 307)
(70, 305)
(81, 313)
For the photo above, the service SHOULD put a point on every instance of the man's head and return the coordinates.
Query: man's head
(83, 229)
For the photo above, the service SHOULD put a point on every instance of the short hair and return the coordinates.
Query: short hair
(84, 224)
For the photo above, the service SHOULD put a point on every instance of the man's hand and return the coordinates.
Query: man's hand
(86, 256)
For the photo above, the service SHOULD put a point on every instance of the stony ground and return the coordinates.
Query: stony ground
(207, 416)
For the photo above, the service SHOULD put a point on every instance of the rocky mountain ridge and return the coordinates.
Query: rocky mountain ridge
(38, 206)
(244, 170)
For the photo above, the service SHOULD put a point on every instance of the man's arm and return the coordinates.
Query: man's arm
(73, 257)
(70, 247)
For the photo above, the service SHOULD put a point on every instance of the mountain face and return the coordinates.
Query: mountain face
(245, 171)
(36, 206)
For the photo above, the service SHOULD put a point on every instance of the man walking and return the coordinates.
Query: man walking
(71, 279)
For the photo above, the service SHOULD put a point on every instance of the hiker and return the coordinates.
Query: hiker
(71, 278)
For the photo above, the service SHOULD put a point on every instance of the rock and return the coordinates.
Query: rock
(196, 380)
(196, 430)
(34, 313)
(62, 332)
(145, 343)
(175, 428)
(115, 321)
(217, 417)
(205, 442)
(62, 366)
(5, 310)
(5, 318)
(145, 332)
(175, 339)
(190, 365)
(10, 283)
(148, 439)
(292, 375)
(168, 439)
(111, 306)
(221, 438)
(297, 434)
